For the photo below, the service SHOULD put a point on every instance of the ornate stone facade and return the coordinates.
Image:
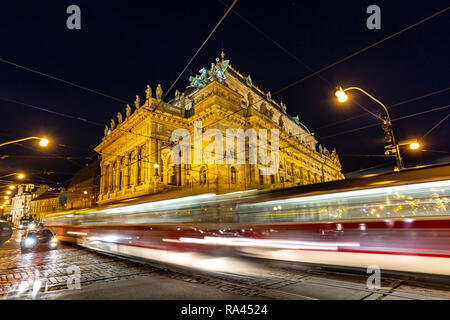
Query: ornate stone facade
(136, 153)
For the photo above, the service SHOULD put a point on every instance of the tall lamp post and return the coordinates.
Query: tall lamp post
(394, 147)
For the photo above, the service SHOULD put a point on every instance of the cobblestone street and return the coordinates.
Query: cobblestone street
(56, 266)
(48, 274)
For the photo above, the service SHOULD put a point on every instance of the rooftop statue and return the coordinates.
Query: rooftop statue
(159, 92)
(119, 117)
(128, 110)
(113, 124)
(182, 100)
(148, 92)
(106, 130)
(137, 102)
(216, 72)
(248, 80)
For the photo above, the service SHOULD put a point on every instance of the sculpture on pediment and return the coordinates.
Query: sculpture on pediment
(113, 124)
(182, 100)
(283, 107)
(190, 104)
(205, 76)
(248, 81)
(106, 130)
(177, 95)
(159, 92)
(250, 99)
(137, 102)
(268, 95)
(263, 108)
(320, 148)
(270, 113)
(128, 112)
(280, 122)
(119, 117)
(148, 92)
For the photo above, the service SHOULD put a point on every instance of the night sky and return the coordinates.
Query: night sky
(123, 46)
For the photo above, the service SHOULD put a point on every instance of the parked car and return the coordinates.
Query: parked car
(40, 238)
(27, 224)
(5, 232)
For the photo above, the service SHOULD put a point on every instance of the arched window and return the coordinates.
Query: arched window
(233, 175)
(202, 175)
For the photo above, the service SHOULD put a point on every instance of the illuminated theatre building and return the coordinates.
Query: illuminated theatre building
(136, 150)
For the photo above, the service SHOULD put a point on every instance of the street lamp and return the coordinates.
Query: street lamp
(393, 147)
(19, 176)
(12, 187)
(43, 141)
(412, 143)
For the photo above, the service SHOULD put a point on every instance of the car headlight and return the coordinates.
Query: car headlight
(29, 242)
(31, 226)
(54, 240)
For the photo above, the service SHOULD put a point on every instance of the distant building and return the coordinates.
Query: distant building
(83, 188)
(21, 202)
(44, 201)
(136, 150)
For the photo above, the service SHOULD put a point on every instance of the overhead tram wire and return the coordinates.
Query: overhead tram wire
(293, 56)
(62, 80)
(390, 107)
(370, 126)
(197, 52)
(436, 125)
(376, 124)
(280, 90)
(362, 50)
(325, 68)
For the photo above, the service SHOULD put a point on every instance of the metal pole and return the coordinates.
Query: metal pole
(396, 149)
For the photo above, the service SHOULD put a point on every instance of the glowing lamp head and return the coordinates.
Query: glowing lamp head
(21, 176)
(6, 197)
(43, 142)
(414, 146)
(156, 166)
(8, 192)
(341, 95)
(85, 192)
(12, 187)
